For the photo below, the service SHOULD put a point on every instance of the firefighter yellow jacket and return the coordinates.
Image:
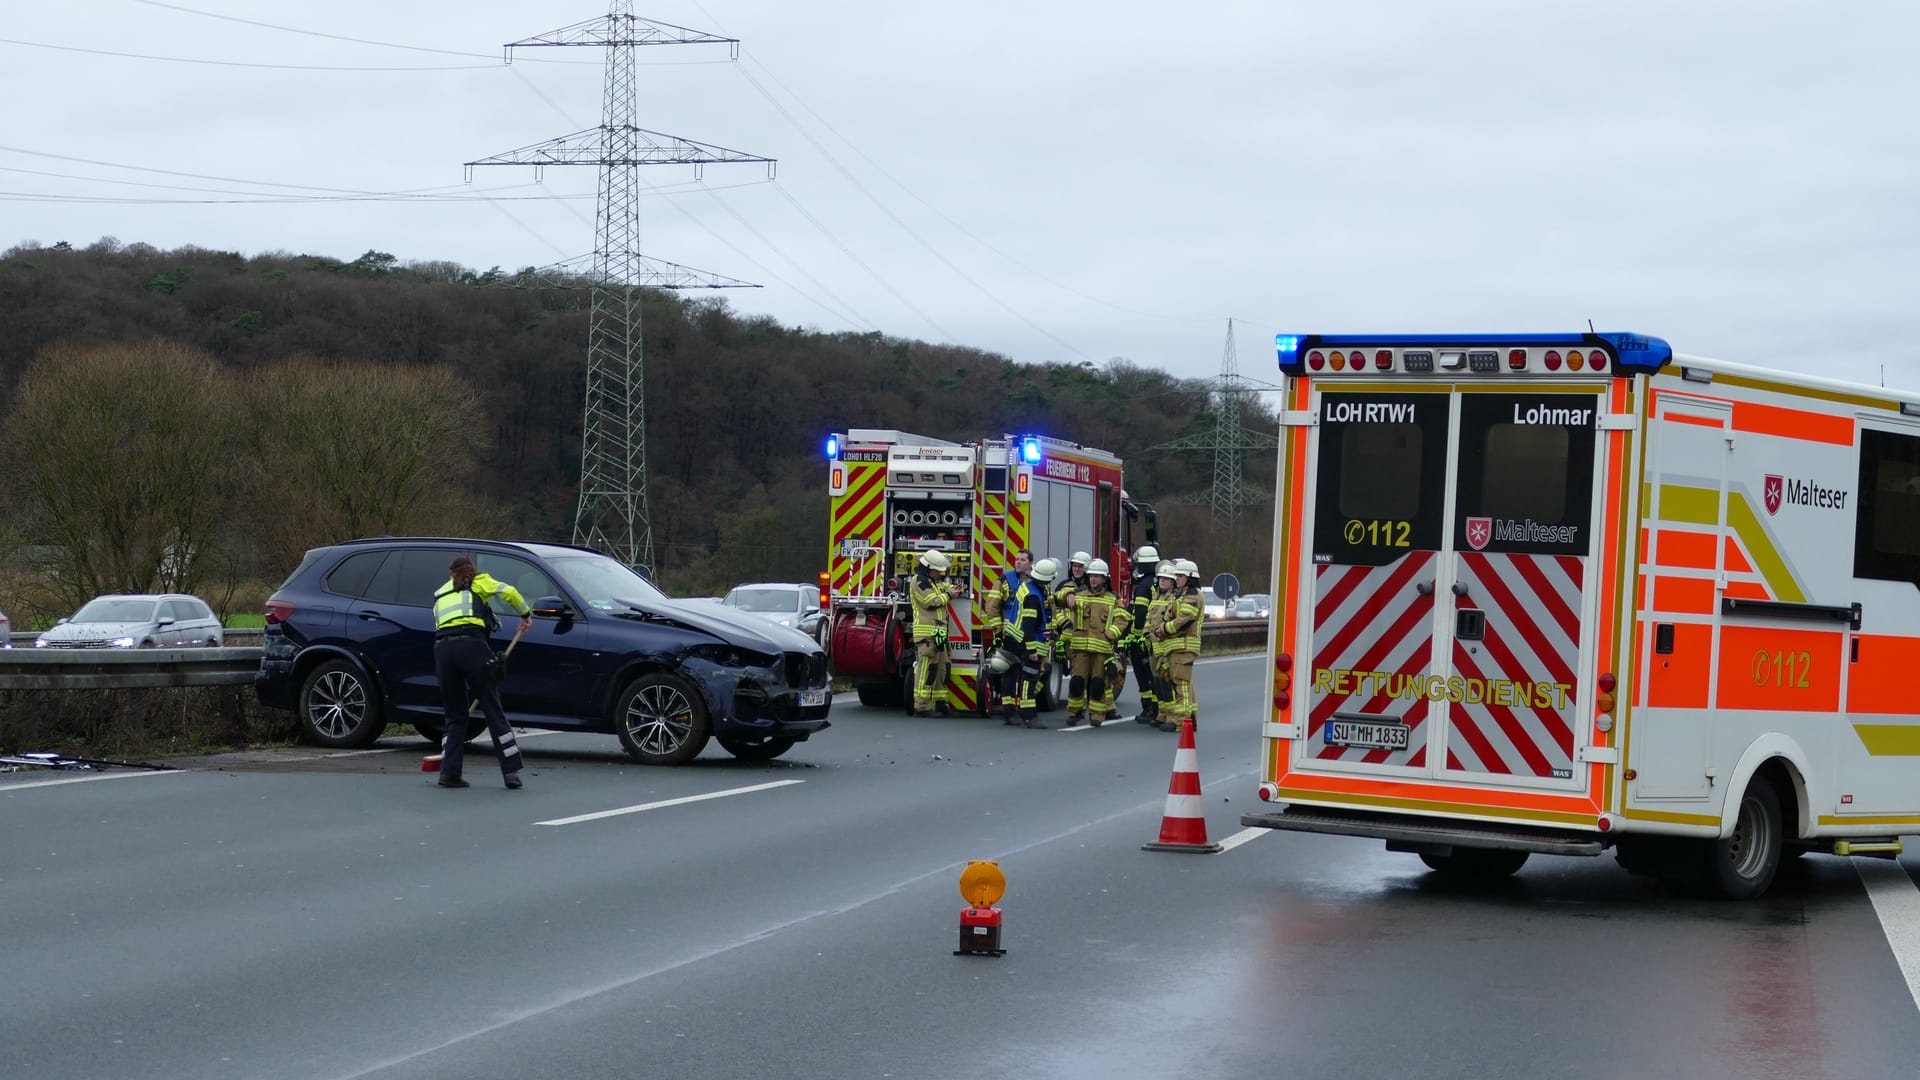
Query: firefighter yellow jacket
(1098, 620)
(930, 599)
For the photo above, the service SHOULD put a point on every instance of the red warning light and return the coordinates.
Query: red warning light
(1551, 360)
(1517, 360)
(1316, 360)
(1383, 359)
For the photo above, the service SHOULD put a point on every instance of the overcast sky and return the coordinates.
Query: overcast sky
(1059, 180)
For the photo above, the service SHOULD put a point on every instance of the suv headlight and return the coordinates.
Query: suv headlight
(123, 643)
(732, 656)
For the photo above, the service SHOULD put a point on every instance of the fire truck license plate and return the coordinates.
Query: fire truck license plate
(812, 697)
(1368, 734)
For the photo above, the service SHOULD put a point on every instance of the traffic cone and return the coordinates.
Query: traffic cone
(1184, 827)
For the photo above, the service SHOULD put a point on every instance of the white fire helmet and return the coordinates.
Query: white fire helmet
(1188, 568)
(1097, 566)
(998, 663)
(1168, 568)
(1044, 571)
(1146, 554)
(1080, 557)
(935, 560)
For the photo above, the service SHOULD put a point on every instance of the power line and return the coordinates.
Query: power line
(908, 229)
(235, 63)
(341, 37)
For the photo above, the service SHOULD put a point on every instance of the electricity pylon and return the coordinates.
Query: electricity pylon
(1229, 443)
(612, 513)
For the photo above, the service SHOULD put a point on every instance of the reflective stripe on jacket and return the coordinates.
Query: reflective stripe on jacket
(457, 607)
(930, 599)
(1098, 620)
(1183, 625)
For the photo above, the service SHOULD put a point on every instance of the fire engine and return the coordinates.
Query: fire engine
(895, 495)
(1566, 593)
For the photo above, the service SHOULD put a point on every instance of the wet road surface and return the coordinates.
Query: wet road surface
(299, 914)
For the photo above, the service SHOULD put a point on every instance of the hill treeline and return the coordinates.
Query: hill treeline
(737, 406)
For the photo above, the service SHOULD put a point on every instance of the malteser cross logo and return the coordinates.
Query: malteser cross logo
(1774, 489)
(1479, 532)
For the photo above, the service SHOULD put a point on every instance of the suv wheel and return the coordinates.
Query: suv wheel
(661, 720)
(338, 707)
(756, 750)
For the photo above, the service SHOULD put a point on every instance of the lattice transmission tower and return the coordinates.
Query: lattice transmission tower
(1229, 443)
(612, 514)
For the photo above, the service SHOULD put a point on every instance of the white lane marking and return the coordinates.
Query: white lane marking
(1231, 659)
(5, 788)
(667, 802)
(773, 932)
(1241, 837)
(1897, 902)
(1103, 723)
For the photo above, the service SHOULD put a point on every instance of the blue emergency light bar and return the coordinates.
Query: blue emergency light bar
(1631, 354)
(1030, 451)
(833, 447)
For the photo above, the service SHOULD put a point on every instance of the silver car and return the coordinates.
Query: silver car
(788, 604)
(6, 632)
(142, 621)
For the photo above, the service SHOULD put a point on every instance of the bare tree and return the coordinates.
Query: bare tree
(126, 453)
(346, 450)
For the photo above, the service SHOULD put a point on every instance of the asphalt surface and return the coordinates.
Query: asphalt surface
(303, 915)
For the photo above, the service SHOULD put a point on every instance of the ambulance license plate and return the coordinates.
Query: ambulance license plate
(809, 698)
(1371, 733)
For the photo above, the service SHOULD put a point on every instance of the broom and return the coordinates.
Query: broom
(431, 763)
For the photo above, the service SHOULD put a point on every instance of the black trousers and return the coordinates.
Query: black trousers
(465, 668)
(1142, 657)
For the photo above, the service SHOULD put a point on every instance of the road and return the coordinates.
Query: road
(297, 915)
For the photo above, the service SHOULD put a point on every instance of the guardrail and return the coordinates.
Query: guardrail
(126, 669)
(28, 668)
(1228, 635)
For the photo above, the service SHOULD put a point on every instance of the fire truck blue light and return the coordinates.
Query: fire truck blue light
(1286, 345)
(833, 447)
(1030, 451)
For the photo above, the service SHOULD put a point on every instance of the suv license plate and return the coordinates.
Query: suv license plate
(812, 697)
(1366, 735)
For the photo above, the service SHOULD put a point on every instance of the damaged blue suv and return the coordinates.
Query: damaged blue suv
(349, 647)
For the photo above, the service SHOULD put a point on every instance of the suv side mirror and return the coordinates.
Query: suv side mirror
(553, 607)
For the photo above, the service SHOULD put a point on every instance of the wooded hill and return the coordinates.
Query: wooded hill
(737, 405)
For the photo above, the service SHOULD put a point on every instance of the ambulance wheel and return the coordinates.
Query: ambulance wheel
(661, 720)
(756, 749)
(1741, 865)
(1482, 864)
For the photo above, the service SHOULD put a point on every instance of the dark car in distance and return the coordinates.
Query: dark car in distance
(349, 647)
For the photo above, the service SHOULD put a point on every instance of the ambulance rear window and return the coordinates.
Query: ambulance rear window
(1524, 472)
(1380, 471)
(1887, 542)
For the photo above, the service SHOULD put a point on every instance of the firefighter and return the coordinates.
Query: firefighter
(1060, 624)
(1158, 609)
(1098, 621)
(930, 595)
(1183, 645)
(1139, 650)
(1001, 603)
(1022, 650)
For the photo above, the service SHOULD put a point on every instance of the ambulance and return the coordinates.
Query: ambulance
(1572, 593)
